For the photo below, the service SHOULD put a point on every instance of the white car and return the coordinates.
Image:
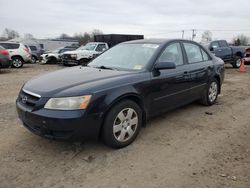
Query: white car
(82, 55)
(18, 53)
(53, 56)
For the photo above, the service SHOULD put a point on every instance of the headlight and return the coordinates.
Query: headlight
(68, 103)
(73, 56)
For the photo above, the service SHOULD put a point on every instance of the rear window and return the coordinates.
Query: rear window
(33, 48)
(10, 46)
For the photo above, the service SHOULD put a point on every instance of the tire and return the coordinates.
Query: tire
(83, 62)
(17, 62)
(237, 62)
(51, 60)
(211, 94)
(122, 124)
(33, 59)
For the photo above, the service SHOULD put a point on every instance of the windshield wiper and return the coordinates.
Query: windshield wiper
(104, 67)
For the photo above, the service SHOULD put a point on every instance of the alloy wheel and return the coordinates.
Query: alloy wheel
(125, 124)
(213, 92)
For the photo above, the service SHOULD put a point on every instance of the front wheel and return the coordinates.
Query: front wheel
(122, 124)
(211, 94)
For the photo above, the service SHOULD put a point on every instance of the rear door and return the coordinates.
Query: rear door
(200, 67)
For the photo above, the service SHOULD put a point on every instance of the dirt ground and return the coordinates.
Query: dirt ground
(194, 146)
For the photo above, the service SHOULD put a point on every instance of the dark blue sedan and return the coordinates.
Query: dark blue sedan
(117, 92)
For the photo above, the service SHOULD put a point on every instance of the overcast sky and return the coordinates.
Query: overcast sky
(153, 18)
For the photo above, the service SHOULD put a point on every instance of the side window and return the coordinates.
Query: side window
(205, 56)
(193, 53)
(172, 53)
(215, 45)
(101, 48)
(223, 43)
(10, 46)
(33, 48)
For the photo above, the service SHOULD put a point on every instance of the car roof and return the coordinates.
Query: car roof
(9, 42)
(155, 41)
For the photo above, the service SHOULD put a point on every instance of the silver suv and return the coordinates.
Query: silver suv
(18, 53)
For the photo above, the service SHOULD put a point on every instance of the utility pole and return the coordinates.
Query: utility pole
(193, 34)
(183, 32)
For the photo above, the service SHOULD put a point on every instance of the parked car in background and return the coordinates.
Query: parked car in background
(54, 56)
(247, 56)
(36, 52)
(82, 55)
(18, 53)
(119, 90)
(5, 60)
(229, 54)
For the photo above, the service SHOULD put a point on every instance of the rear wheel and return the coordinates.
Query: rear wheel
(17, 62)
(122, 124)
(211, 94)
(237, 62)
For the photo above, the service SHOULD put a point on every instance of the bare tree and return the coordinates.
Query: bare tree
(64, 36)
(10, 34)
(240, 40)
(28, 36)
(206, 36)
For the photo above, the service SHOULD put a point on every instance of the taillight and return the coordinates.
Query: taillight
(4, 52)
(27, 50)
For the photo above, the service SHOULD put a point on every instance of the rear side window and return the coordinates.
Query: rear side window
(10, 46)
(33, 48)
(205, 56)
(1, 48)
(193, 53)
(173, 54)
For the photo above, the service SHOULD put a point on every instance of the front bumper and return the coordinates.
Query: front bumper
(60, 125)
(70, 62)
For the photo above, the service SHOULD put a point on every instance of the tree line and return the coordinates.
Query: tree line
(86, 37)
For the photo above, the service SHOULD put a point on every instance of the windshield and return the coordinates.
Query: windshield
(126, 56)
(89, 47)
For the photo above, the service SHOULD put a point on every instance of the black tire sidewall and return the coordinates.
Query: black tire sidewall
(107, 130)
(235, 62)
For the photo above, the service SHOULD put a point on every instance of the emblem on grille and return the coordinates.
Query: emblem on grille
(24, 99)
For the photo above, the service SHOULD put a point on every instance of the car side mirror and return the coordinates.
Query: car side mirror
(211, 49)
(165, 65)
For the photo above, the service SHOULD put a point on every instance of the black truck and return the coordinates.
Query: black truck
(114, 39)
(229, 54)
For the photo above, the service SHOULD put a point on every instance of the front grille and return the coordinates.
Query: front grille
(66, 56)
(28, 99)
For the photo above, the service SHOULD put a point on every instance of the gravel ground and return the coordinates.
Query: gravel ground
(194, 146)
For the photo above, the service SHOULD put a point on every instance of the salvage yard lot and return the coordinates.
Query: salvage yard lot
(194, 146)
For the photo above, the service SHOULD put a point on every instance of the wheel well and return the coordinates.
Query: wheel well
(239, 54)
(219, 81)
(17, 56)
(35, 57)
(133, 98)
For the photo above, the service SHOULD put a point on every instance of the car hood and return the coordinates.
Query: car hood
(74, 81)
(78, 52)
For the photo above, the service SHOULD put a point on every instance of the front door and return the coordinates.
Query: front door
(170, 87)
